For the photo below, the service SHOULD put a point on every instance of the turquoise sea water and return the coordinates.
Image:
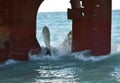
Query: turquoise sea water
(64, 66)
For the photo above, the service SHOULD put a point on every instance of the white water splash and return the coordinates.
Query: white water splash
(8, 62)
(57, 53)
(115, 48)
(116, 73)
(87, 56)
(42, 56)
(63, 50)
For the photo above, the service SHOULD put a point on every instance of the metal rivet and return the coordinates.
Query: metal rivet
(97, 5)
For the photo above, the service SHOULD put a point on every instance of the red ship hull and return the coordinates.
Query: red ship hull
(91, 27)
(18, 28)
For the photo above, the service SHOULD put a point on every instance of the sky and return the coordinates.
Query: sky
(54, 5)
(115, 4)
(62, 5)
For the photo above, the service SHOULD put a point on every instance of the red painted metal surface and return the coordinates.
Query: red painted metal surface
(18, 28)
(91, 28)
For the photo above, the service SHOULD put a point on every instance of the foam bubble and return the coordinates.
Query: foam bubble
(42, 56)
(10, 61)
(116, 73)
(58, 52)
(65, 50)
(87, 56)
